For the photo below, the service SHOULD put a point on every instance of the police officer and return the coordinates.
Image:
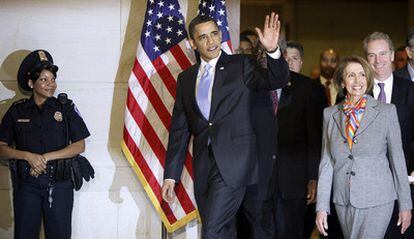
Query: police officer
(38, 132)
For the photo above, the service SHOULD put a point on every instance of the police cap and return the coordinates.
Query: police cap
(36, 61)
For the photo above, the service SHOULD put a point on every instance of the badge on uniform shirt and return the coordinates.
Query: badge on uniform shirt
(58, 116)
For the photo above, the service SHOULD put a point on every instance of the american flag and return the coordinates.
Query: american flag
(163, 53)
(216, 9)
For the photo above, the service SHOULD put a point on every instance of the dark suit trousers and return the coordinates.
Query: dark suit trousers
(219, 205)
(394, 231)
(256, 220)
(289, 216)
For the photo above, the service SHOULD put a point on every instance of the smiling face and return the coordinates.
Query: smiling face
(207, 40)
(44, 87)
(380, 57)
(355, 81)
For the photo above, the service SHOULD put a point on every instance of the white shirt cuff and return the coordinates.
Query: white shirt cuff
(169, 179)
(275, 55)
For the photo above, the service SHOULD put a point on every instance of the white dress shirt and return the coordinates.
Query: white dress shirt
(410, 71)
(387, 88)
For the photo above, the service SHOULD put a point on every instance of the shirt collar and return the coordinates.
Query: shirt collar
(387, 82)
(49, 101)
(212, 62)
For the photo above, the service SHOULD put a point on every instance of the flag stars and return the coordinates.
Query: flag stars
(156, 48)
(161, 4)
(149, 23)
(221, 12)
(152, 1)
(167, 40)
(212, 8)
(170, 18)
(150, 12)
(181, 22)
(157, 37)
(223, 2)
(169, 29)
(147, 34)
(158, 26)
(179, 33)
(219, 23)
(204, 3)
(171, 7)
(159, 14)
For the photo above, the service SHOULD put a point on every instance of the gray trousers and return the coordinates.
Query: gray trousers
(364, 223)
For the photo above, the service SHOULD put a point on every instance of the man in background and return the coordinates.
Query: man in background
(389, 88)
(407, 71)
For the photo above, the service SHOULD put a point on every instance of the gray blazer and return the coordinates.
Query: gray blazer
(374, 171)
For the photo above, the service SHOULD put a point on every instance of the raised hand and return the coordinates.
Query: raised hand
(271, 32)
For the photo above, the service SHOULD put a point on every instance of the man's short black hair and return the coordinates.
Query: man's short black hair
(297, 46)
(248, 32)
(198, 20)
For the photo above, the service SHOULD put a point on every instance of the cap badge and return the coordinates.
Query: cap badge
(42, 56)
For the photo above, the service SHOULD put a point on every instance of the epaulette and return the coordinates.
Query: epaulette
(21, 101)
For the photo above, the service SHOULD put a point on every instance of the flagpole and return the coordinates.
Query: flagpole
(164, 232)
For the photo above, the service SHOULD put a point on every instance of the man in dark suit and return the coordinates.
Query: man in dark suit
(407, 72)
(213, 104)
(288, 178)
(389, 88)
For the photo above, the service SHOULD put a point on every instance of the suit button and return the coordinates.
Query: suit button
(353, 173)
(210, 124)
(351, 157)
(273, 156)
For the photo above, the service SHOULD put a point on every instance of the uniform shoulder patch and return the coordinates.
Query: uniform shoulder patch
(21, 101)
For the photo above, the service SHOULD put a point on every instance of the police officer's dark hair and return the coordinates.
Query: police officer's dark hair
(296, 45)
(35, 73)
(199, 20)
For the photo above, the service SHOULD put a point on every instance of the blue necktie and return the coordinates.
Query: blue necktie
(203, 90)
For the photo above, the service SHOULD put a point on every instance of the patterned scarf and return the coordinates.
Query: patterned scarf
(353, 114)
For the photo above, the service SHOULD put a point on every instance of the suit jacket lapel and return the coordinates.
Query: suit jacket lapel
(286, 96)
(192, 88)
(369, 116)
(219, 78)
(397, 95)
(340, 118)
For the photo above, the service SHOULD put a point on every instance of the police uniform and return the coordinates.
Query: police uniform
(41, 130)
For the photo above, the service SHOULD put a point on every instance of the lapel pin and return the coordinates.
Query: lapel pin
(289, 83)
(221, 68)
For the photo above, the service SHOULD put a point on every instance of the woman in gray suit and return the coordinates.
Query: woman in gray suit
(362, 159)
